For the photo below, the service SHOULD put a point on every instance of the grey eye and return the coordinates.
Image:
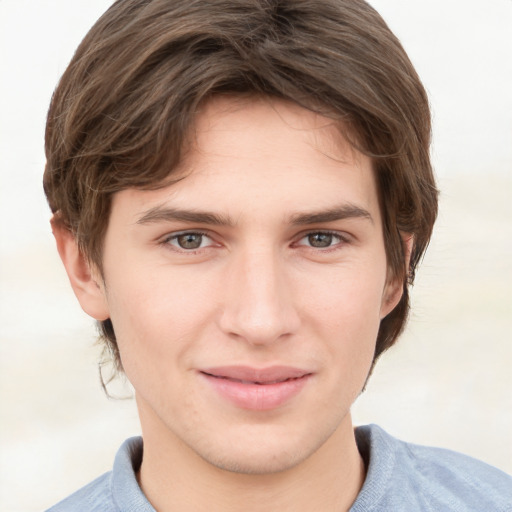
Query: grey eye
(190, 240)
(320, 239)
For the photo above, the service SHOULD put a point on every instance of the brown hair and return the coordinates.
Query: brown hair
(122, 109)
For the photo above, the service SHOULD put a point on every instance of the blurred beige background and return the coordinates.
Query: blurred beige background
(449, 380)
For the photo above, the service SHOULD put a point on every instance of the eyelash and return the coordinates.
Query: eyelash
(341, 240)
(174, 236)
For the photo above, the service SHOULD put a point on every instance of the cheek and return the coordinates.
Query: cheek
(345, 313)
(345, 299)
(155, 314)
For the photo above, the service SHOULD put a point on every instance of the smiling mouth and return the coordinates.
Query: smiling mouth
(255, 382)
(256, 389)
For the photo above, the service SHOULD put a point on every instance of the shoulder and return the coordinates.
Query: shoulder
(115, 491)
(94, 497)
(427, 479)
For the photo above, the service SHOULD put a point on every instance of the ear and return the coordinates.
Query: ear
(86, 284)
(394, 288)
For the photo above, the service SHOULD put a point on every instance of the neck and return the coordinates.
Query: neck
(174, 478)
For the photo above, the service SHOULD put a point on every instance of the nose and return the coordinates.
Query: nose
(258, 305)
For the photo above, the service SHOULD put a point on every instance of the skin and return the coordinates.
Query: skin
(268, 285)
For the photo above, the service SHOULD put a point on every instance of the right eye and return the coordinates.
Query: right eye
(189, 241)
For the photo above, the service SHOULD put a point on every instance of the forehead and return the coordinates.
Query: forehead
(247, 155)
(264, 128)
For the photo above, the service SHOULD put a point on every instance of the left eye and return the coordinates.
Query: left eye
(321, 239)
(189, 241)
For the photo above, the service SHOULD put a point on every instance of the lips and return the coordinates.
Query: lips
(246, 374)
(256, 389)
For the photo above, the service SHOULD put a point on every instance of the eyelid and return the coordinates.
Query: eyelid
(341, 236)
(166, 239)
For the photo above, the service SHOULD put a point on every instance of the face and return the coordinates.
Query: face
(246, 298)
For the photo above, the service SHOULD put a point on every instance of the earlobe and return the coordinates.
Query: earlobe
(392, 295)
(395, 288)
(88, 288)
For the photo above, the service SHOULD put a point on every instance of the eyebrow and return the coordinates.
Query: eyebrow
(165, 214)
(346, 211)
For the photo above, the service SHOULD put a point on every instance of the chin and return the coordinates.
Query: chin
(261, 462)
(259, 452)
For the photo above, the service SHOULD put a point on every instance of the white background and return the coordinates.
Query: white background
(449, 380)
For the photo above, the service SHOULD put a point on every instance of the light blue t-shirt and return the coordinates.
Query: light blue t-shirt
(401, 477)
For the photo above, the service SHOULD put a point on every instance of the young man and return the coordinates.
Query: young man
(241, 193)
